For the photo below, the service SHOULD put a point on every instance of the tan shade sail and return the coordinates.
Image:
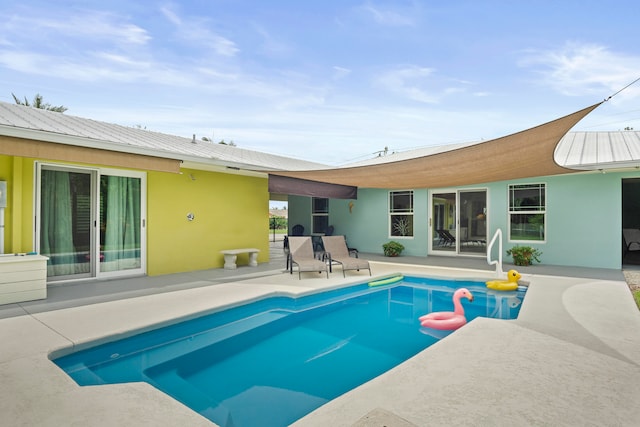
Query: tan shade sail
(525, 154)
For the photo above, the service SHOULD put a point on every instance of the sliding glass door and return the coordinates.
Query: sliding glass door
(91, 222)
(120, 223)
(473, 222)
(66, 216)
(443, 222)
(458, 222)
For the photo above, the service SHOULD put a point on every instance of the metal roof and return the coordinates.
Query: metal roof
(410, 154)
(42, 125)
(599, 150)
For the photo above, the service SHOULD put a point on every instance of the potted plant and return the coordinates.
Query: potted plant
(524, 255)
(392, 248)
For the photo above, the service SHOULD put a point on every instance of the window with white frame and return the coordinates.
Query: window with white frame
(401, 213)
(319, 215)
(527, 212)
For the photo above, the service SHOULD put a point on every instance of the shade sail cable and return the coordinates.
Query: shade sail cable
(630, 84)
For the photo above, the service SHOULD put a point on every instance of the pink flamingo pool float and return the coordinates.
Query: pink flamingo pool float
(448, 320)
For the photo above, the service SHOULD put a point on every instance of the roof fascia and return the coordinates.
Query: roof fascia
(192, 162)
(78, 141)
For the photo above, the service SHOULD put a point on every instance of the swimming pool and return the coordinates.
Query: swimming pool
(273, 361)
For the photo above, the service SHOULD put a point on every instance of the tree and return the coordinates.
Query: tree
(38, 102)
(222, 142)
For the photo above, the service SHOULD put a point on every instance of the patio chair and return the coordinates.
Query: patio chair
(297, 230)
(445, 238)
(301, 254)
(336, 251)
(631, 239)
(285, 248)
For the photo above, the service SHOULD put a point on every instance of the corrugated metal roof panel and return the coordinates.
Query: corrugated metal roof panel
(618, 147)
(566, 152)
(589, 148)
(598, 150)
(158, 144)
(632, 141)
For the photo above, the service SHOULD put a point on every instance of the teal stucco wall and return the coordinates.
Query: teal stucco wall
(583, 218)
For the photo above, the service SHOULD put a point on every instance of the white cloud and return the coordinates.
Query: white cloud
(340, 72)
(196, 30)
(410, 82)
(387, 16)
(87, 25)
(272, 46)
(95, 67)
(171, 15)
(579, 69)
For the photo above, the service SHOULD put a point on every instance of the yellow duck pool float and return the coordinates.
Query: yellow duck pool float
(511, 284)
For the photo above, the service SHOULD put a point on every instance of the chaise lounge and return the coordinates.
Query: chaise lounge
(336, 251)
(301, 254)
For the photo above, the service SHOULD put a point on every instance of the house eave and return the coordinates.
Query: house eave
(191, 162)
(78, 141)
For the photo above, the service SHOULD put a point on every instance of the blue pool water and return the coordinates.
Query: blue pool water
(271, 362)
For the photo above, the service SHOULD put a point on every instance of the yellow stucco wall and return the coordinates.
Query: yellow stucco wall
(231, 211)
(5, 175)
(18, 230)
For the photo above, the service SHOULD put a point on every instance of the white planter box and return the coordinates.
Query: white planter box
(22, 278)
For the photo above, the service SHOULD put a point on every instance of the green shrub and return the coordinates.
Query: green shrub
(392, 248)
(524, 255)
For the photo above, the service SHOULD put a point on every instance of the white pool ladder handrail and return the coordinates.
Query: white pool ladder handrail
(498, 262)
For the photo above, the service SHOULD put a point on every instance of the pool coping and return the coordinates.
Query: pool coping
(577, 340)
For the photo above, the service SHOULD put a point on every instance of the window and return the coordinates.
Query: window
(527, 211)
(401, 213)
(319, 215)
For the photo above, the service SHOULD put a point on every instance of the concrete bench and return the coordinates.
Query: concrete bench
(231, 255)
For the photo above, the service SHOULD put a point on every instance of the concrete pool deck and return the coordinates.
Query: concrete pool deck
(571, 358)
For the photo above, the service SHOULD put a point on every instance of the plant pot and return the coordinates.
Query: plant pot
(392, 249)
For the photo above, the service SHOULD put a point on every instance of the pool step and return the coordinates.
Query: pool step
(116, 364)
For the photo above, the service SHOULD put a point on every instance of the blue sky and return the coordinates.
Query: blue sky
(332, 81)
